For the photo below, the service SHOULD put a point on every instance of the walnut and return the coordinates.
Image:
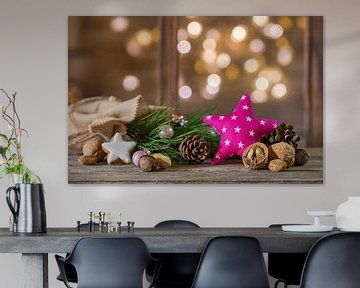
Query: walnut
(148, 163)
(93, 147)
(282, 151)
(255, 156)
(301, 157)
(87, 160)
(277, 165)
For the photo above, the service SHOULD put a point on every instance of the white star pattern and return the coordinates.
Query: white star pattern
(238, 129)
(209, 117)
(240, 145)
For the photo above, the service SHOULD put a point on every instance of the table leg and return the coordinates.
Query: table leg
(35, 270)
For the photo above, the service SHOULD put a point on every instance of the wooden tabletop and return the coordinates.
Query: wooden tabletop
(158, 240)
(229, 172)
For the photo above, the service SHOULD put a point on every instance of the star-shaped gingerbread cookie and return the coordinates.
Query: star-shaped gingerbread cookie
(118, 149)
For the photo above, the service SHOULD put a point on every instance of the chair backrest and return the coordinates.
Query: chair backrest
(333, 262)
(110, 262)
(178, 267)
(176, 224)
(232, 262)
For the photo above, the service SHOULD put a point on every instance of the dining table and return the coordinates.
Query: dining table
(35, 247)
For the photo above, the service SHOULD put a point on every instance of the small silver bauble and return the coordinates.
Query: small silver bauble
(166, 132)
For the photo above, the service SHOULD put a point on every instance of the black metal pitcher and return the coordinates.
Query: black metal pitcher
(28, 208)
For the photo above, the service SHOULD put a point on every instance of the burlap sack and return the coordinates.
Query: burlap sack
(102, 116)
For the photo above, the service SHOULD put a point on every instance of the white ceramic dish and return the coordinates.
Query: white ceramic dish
(350, 229)
(321, 213)
(306, 228)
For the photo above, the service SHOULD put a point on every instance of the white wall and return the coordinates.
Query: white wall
(33, 62)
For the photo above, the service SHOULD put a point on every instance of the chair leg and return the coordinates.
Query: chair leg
(278, 282)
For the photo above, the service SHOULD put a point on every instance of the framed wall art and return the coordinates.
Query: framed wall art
(195, 99)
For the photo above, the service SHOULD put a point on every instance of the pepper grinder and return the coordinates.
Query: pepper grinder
(78, 226)
(90, 221)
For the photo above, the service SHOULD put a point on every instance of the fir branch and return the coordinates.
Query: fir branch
(145, 132)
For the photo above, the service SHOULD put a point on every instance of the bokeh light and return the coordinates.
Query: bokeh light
(285, 55)
(259, 96)
(278, 90)
(143, 37)
(209, 44)
(131, 82)
(239, 33)
(155, 34)
(209, 56)
(133, 48)
(301, 22)
(214, 80)
(261, 83)
(194, 28)
(273, 74)
(223, 60)
(213, 34)
(232, 72)
(260, 20)
(185, 92)
(273, 31)
(119, 24)
(212, 90)
(199, 67)
(208, 96)
(184, 47)
(251, 65)
(257, 45)
(281, 42)
(286, 22)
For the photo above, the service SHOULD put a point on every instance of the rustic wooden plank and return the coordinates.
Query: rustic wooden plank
(313, 80)
(35, 270)
(168, 58)
(61, 240)
(231, 172)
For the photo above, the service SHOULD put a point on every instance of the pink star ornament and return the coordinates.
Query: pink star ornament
(238, 130)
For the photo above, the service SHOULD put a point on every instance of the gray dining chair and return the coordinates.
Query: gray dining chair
(232, 262)
(178, 269)
(108, 263)
(333, 262)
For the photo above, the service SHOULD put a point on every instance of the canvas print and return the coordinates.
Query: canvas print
(195, 99)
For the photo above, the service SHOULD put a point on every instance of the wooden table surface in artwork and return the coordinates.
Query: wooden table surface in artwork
(229, 172)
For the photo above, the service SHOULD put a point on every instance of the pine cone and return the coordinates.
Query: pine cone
(195, 148)
(283, 133)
